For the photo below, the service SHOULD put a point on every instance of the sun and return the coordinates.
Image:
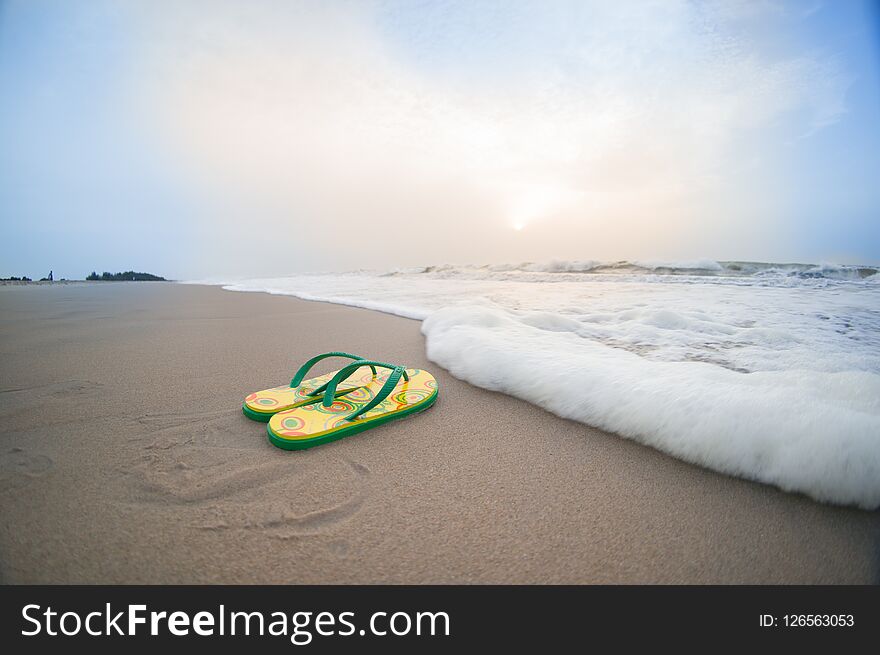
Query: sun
(534, 202)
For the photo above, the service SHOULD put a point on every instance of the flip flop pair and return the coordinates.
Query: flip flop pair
(360, 396)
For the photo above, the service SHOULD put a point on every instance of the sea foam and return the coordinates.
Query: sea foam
(762, 370)
(813, 432)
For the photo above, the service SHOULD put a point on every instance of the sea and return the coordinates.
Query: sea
(766, 371)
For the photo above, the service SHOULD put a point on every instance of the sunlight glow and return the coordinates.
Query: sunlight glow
(539, 201)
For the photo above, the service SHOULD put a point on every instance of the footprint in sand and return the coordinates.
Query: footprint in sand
(191, 475)
(255, 488)
(218, 429)
(218, 469)
(279, 499)
(18, 467)
(291, 523)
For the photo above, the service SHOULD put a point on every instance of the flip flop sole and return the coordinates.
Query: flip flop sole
(313, 425)
(354, 427)
(280, 399)
(265, 417)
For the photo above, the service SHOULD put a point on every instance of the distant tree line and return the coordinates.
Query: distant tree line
(127, 276)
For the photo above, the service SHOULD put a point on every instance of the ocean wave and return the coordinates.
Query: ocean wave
(813, 432)
(768, 371)
(698, 268)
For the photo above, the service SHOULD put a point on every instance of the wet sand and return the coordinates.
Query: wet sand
(124, 458)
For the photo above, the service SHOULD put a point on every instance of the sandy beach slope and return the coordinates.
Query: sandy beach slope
(124, 458)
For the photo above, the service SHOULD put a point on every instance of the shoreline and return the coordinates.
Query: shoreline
(49, 283)
(125, 459)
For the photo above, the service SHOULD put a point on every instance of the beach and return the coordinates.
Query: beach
(125, 458)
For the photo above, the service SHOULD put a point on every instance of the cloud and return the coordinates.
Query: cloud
(614, 127)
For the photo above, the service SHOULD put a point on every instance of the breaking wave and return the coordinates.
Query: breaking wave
(763, 370)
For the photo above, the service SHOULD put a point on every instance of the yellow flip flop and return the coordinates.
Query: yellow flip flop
(378, 398)
(262, 405)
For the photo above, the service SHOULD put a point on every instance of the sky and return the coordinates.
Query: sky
(198, 139)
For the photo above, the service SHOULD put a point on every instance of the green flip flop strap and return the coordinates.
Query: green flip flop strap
(396, 373)
(305, 368)
(347, 371)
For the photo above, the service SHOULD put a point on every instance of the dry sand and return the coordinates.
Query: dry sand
(124, 458)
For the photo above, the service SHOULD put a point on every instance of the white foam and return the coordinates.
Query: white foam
(817, 433)
(697, 265)
(767, 371)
